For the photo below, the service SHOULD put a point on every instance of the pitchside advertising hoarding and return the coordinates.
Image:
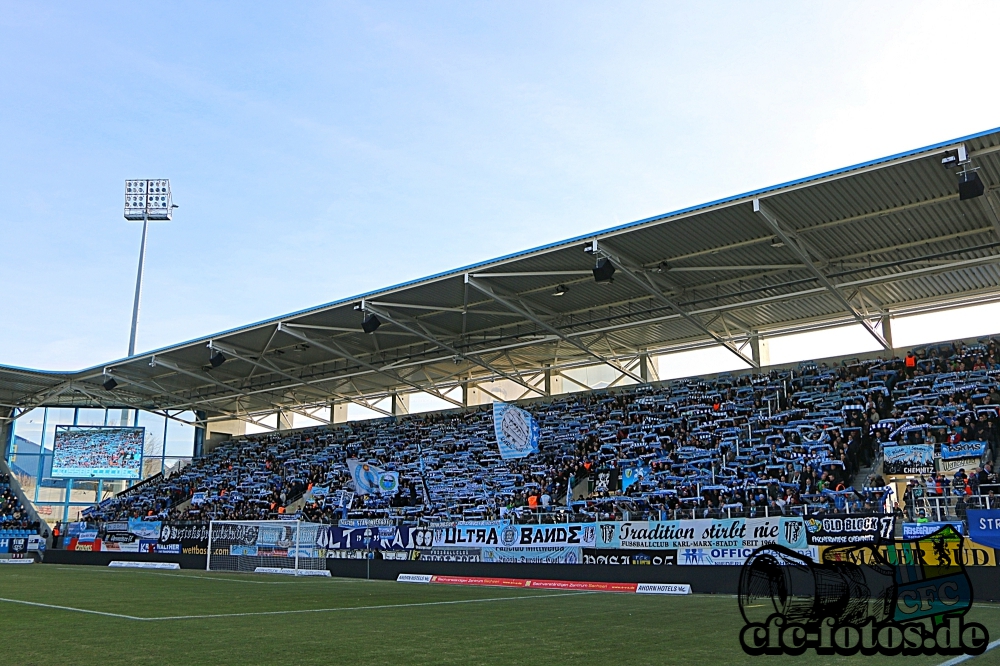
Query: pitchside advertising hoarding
(635, 543)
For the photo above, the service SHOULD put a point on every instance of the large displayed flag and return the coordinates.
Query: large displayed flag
(517, 431)
(372, 480)
(632, 474)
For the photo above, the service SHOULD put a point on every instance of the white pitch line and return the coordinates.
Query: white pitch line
(384, 606)
(189, 577)
(966, 657)
(70, 608)
(296, 611)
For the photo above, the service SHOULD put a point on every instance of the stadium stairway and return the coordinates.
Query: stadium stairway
(15, 485)
(292, 507)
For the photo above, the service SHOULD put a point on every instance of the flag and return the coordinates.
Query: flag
(372, 480)
(517, 431)
(632, 474)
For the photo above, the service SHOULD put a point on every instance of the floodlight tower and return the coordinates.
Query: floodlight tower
(145, 200)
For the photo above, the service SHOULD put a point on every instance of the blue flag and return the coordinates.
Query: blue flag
(632, 474)
(517, 431)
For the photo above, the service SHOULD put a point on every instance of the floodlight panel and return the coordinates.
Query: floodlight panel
(148, 199)
(135, 206)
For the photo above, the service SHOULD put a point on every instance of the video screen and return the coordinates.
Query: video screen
(98, 452)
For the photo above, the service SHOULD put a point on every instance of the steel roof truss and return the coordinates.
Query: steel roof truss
(645, 281)
(517, 305)
(802, 251)
(416, 328)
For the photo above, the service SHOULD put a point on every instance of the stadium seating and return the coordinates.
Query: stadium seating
(14, 519)
(788, 441)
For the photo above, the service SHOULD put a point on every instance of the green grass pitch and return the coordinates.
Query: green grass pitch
(192, 617)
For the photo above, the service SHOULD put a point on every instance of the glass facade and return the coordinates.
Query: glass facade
(169, 445)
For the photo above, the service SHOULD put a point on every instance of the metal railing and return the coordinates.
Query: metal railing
(943, 508)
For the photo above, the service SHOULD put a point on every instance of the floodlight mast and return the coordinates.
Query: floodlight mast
(145, 200)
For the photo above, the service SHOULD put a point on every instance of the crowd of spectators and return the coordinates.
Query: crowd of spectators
(788, 441)
(13, 515)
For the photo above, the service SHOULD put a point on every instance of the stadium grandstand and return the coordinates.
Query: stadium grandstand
(905, 435)
(860, 245)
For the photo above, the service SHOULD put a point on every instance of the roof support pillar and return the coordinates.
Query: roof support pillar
(553, 381)
(759, 349)
(644, 368)
(400, 404)
(885, 323)
(6, 430)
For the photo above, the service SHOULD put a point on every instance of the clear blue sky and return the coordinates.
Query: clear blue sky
(320, 150)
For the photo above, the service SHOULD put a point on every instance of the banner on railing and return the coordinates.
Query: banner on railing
(730, 556)
(145, 529)
(963, 450)
(984, 527)
(954, 464)
(908, 459)
(899, 552)
(527, 555)
(654, 558)
(466, 535)
(705, 533)
(843, 530)
(389, 537)
(919, 530)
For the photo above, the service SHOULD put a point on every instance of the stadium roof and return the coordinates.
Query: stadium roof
(852, 245)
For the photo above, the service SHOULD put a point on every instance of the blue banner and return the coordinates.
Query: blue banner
(631, 475)
(963, 450)
(516, 430)
(984, 527)
(918, 530)
(388, 537)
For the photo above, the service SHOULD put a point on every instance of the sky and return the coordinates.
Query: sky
(321, 150)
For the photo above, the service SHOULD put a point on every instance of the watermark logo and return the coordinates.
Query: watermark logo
(890, 598)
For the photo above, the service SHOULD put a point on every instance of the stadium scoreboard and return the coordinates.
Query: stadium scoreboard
(98, 452)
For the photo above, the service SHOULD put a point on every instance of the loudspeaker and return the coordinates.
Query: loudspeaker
(969, 186)
(217, 359)
(110, 384)
(370, 324)
(604, 270)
